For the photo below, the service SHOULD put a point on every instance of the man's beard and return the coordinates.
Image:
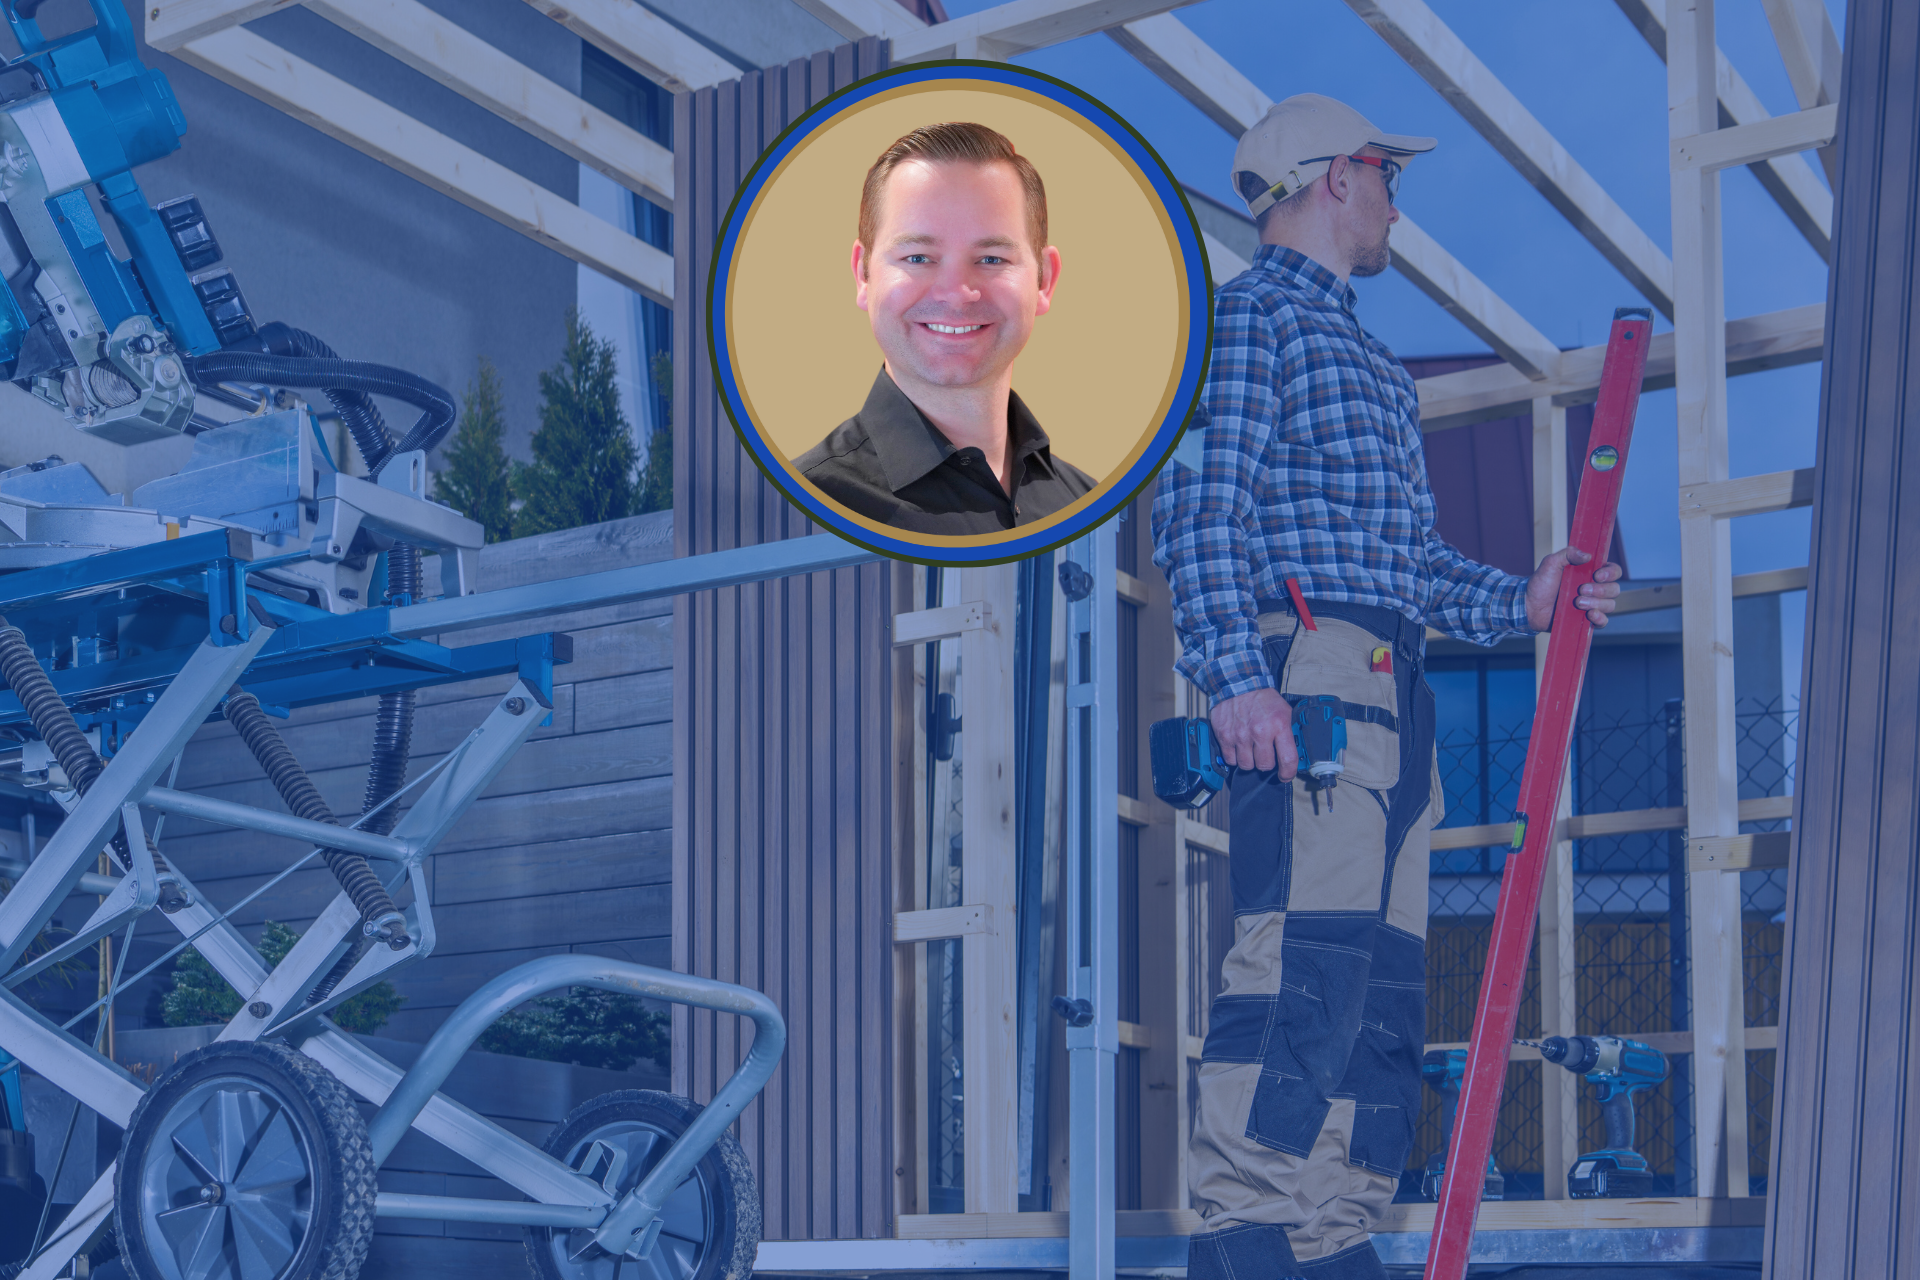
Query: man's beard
(1372, 260)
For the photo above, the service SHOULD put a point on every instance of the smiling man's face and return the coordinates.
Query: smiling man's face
(954, 284)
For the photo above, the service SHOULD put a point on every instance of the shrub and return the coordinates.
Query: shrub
(584, 1026)
(200, 996)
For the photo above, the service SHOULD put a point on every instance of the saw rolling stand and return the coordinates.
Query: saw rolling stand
(248, 1160)
(262, 577)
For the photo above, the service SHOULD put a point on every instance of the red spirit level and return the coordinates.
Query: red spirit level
(1566, 668)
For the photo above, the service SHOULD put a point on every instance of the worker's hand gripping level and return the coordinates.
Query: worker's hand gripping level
(1504, 978)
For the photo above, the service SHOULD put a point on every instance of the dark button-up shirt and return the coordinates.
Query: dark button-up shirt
(1310, 467)
(889, 463)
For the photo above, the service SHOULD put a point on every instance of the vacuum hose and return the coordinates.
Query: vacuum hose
(55, 723)
(294, 358)
(379, 917)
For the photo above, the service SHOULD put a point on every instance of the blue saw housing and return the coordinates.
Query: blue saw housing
(120, 114)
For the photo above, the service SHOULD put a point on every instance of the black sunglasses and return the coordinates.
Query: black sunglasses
(1389, 170)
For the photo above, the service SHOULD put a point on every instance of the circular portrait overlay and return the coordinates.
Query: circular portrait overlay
(1109, 371)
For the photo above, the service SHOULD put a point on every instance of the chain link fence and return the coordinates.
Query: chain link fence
(1630, 928)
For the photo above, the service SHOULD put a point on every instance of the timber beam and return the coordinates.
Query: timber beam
(1772, 340)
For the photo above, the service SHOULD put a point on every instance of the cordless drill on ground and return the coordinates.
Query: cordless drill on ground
(1443, 1070)
(1188, 770)
(1619, 1068)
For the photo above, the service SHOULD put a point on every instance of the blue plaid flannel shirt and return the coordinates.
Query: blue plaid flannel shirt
(1311, 468)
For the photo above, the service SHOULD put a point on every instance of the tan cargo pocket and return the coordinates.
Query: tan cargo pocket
(1337, 659)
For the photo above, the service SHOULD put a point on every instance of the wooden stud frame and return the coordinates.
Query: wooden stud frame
(1715, 123)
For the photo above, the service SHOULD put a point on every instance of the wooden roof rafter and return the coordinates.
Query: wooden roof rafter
(1443, 60)
(1789, 179)
(209, 35)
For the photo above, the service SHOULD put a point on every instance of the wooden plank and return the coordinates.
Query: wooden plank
(1557, 938)
(1021, 26)
(645, 697)
(1199, 74)
(643, 41)
(1140, 813)
(1443, 60)
(1667, 595)
(1193, 831)
(854, 19)
(1472, 837)
(938, 923)
(1715, 934)
(450, 55)
(1161, 909)
(989, 969)
(1803, 29)
(1468, 299)
(1790, 180)
(1625, 822)
(1223, 264)
(580, 761)
(347, 114)
(1757, 852)
(537, 818)
(1135, 1036)
(1808, 130)
(1748, 495)
(598, 862)
(1130, 588)
(1194, 70)
(923, 626)
(1754, 343)
(172, 23)
(1495, 1215)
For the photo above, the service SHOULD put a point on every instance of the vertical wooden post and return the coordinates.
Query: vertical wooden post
(1164, 1061)
(1706, 612)
(1559, 995)
(989, 961)
(912, 676)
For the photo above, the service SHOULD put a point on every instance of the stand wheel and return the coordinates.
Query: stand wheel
(245, 1161)
(710, 1225)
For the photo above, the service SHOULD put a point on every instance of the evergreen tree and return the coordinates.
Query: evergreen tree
(583, 458)
(656, 478)
(476, 482)
(200, 996)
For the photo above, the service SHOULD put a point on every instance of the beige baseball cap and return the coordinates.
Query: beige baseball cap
(1294, 142)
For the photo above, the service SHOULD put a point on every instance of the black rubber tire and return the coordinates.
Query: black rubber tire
(721, 1186)
(319, 1182)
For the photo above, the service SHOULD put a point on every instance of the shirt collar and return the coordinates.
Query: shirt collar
(909, 446)
(1303, 273)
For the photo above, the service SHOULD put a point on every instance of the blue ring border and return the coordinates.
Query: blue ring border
(1166, 433)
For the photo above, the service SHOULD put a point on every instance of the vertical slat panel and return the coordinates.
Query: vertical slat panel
(1846, 1120)
(783, 733)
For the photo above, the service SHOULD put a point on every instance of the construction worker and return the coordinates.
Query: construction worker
(1308, 496)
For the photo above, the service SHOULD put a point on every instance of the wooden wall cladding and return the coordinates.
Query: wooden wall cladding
(784, 762)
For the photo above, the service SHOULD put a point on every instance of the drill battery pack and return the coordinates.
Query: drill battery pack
(1187, 768)
(1610, 1175)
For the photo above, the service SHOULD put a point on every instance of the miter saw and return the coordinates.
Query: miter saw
(163, 343)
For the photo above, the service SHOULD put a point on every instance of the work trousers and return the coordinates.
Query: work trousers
(1310, 1078)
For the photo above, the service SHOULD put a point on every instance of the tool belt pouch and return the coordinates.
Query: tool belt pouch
(1337, 659)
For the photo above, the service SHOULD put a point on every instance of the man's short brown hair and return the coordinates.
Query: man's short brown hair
(952, 144)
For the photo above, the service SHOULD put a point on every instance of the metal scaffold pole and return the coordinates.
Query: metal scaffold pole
(1091, 1004)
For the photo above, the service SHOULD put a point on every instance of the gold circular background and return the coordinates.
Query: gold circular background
(1101, 365)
